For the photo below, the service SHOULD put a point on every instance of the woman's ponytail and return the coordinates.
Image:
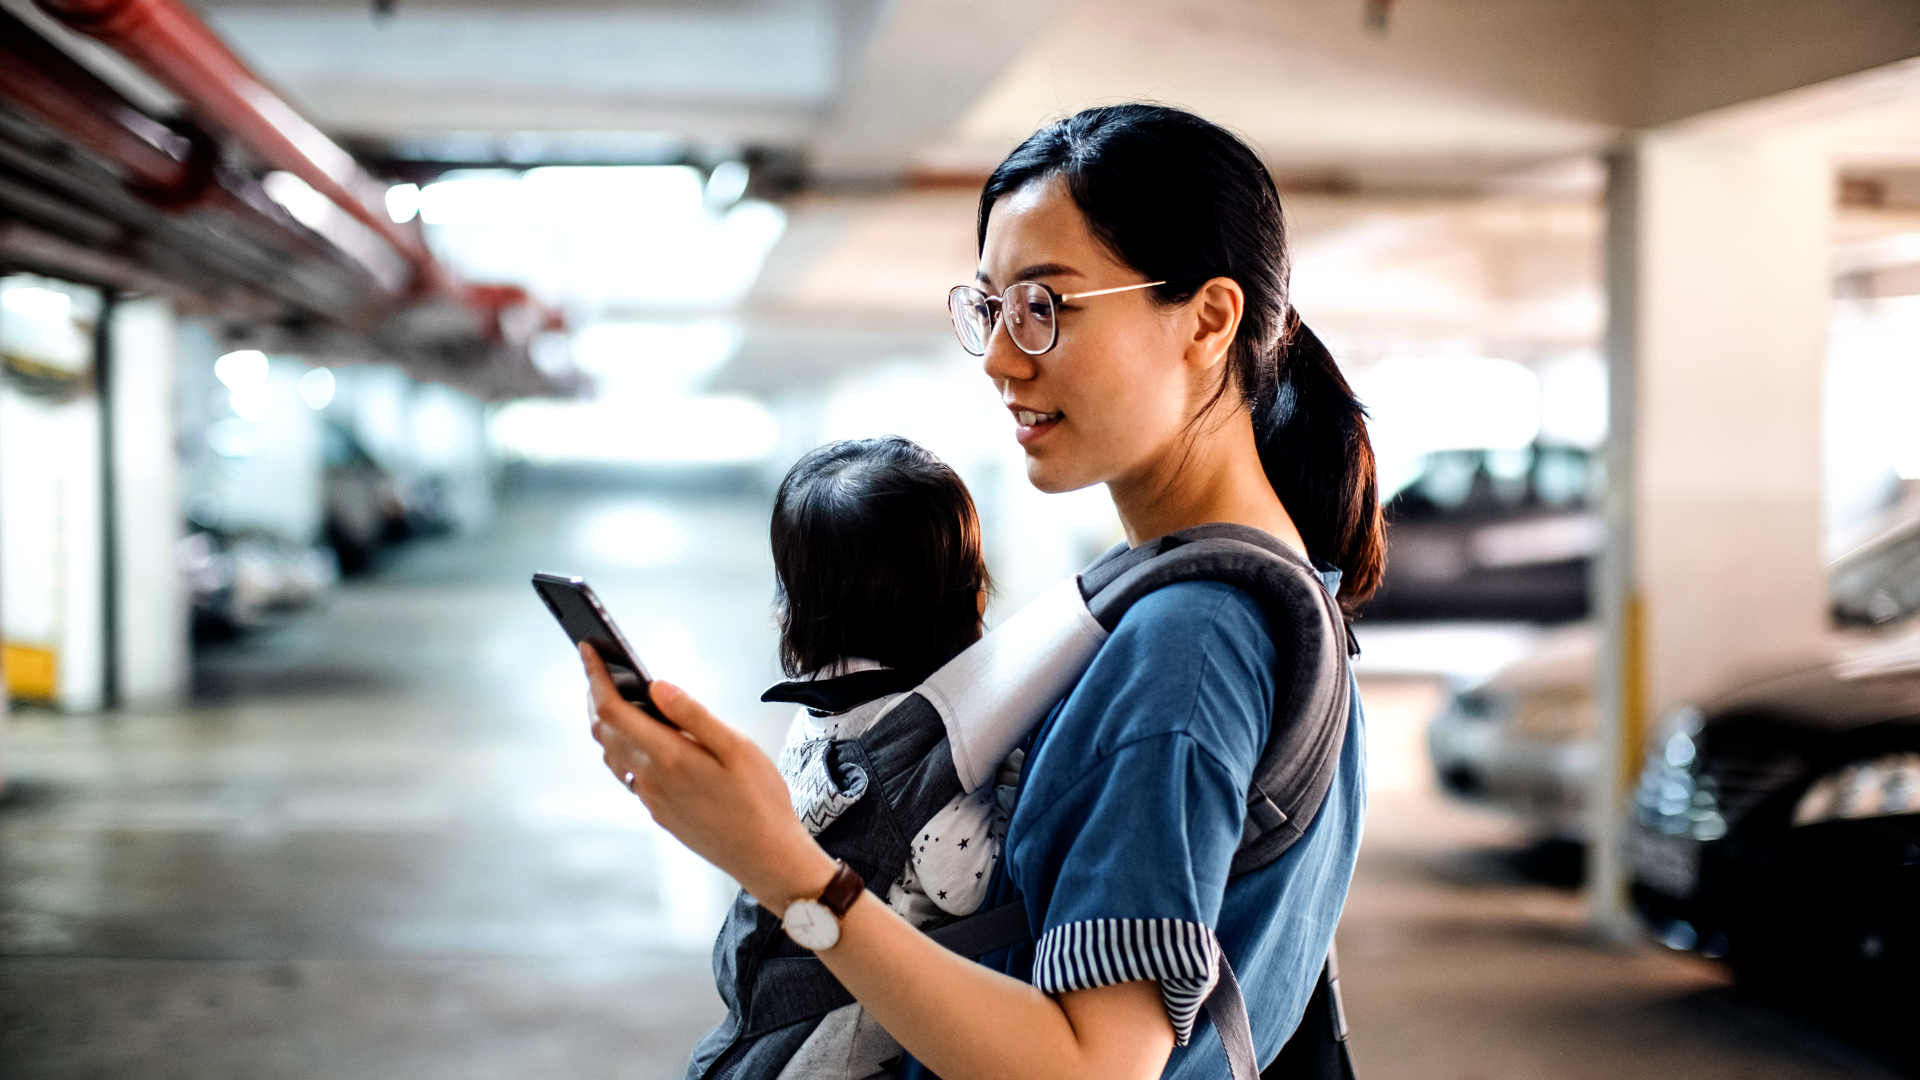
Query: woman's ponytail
(1312, 435)
(1183, 201)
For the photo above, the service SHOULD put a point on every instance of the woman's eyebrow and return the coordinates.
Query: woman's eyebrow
(1037, 270)
(1040, 270)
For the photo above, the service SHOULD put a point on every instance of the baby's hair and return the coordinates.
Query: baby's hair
(876, 547)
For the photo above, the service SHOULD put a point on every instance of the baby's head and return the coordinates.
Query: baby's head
(877, 548)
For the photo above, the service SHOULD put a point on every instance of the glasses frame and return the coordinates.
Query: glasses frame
(995, 305)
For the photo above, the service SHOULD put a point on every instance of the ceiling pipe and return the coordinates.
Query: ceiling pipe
(172, 169)
(171, 43)
(41, 79)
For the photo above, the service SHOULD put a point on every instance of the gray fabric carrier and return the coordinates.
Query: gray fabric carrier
(776, 992)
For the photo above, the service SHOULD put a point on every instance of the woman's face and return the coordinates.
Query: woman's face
(1115, 393)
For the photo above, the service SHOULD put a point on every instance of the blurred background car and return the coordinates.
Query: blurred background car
(246, 581)
(1779, 826)
(1493, 534)
(1522, 739)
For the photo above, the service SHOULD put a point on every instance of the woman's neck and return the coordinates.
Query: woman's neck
(1212, 476)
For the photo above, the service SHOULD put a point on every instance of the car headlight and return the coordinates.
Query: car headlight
(1674, 797)
(1876, 787)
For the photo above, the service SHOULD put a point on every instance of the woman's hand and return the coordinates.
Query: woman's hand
(710, 786)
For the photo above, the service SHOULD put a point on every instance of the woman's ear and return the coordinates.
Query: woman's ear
(1215, 310)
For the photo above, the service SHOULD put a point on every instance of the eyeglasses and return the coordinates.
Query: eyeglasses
(1030, 313)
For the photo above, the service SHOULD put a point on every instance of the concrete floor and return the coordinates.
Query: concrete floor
(380, 844)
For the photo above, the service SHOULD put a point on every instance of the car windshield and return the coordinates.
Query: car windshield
(1474, 483)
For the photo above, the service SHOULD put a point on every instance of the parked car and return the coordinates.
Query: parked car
(244, 581)
(1522, 740)
(1779, 826)
(1492, 534)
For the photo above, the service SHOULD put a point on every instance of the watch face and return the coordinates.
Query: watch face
(811, 925)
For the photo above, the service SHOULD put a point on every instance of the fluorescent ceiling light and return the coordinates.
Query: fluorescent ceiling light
(33, 302)
(242, 370)
(711, 430)
(316, 388)
(558, 193)
(607, 236)
(654, 357)
(403, 202)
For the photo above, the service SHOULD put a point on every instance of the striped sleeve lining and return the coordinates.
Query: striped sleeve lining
(1183, 956)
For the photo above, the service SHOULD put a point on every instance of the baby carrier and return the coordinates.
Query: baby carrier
(948, 735)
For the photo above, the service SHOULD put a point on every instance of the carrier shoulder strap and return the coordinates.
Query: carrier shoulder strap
(1312, 696)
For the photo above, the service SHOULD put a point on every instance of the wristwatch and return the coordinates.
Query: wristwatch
(815, 924)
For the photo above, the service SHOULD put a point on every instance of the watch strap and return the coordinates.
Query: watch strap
(842, 891)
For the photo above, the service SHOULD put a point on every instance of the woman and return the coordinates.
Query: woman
(1147, 344)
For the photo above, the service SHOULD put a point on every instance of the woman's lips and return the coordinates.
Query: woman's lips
(1031, 424)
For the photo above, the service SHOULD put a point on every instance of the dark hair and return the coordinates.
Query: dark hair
(876, 546)
(1183, 200)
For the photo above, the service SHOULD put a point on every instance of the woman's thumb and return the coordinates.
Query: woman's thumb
(690, 716)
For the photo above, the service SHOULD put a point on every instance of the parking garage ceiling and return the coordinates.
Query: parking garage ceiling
(1436, 94)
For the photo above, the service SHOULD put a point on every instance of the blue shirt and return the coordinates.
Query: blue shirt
(1131, 806)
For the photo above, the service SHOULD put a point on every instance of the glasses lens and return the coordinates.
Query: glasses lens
(1029, 311)
(972, 321)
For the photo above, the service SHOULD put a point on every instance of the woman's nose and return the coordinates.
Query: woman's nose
(1004, 360)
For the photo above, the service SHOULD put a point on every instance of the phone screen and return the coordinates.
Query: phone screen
(581, 615)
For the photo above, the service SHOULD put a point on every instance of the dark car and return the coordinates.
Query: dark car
(1779, 826)
(1492, 534)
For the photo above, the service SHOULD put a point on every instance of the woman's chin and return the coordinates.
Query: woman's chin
(1053, 476)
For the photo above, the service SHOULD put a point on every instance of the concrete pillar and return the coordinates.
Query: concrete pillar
(1719, 279)
(50, 544)
(150, 600)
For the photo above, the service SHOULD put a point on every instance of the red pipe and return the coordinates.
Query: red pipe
(175, 47)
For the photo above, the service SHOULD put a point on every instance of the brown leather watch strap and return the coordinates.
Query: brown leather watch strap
(842, 891)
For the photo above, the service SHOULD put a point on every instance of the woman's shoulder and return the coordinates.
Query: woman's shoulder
(1211, 609)
(1198, 630)
(1192, 658)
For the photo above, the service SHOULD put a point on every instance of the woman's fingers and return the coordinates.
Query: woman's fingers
(643, 738)
(600, 686)
(694, 718)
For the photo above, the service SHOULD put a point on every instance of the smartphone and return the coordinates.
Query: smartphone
(580, 614)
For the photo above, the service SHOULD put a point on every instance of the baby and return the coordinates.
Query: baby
(876, 545)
